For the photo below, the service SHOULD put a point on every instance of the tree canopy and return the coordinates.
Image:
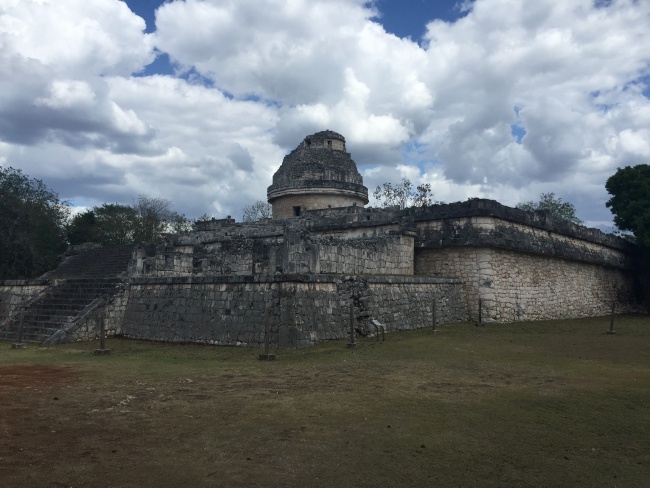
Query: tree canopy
(554, 206)
(146, 219)
(403, 195)
(154, 217)
(257, 211)
(111, 224)
(32, 225)
(630, 201)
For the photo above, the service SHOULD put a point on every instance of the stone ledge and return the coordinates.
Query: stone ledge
(290, 278)
(359, 217)
(35, 282)
(538, 219)
(513, 239)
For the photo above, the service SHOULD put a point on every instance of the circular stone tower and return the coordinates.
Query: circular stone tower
(319, 173)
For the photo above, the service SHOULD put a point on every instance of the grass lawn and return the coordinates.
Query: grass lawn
(544, 404)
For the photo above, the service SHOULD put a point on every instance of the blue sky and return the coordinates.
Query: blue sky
(197, 101)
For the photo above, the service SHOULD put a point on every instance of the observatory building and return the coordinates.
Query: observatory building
(324, 266)
(318, 174)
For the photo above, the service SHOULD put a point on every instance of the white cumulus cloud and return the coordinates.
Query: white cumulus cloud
(510, 100)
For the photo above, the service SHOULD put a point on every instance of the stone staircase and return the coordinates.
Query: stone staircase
(78, 284)
(97, 262)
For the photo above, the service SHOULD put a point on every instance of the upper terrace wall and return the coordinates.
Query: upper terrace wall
(480, 223)
(493, 232)
(229, 249)
(384, 255)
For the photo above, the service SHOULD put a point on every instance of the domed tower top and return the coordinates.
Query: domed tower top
(319, 173)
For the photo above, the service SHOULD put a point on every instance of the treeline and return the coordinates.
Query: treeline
(32, 226)
(146, 219)
(36, 225)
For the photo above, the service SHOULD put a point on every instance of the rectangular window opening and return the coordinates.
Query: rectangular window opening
(296, 211)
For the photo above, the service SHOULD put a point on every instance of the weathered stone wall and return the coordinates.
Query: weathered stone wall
(406, 303)
(227, 256)
(303, 309)
(379, 256)
(219, 310)
(319, 173)
(517, 286)
(295, 251)
(113, 315)
(283, 207)
(488, 231)
(14, 293)
(386, 255)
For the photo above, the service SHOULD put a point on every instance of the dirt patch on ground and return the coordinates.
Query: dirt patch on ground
(32, 377)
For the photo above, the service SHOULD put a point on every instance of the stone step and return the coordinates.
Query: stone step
(94, 263)
(43, 318)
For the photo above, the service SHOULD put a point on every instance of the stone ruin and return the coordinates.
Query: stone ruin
(321, 254)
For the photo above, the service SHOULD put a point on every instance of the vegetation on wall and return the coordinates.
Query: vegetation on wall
(257, 211)
(404, 195)
(558, 209)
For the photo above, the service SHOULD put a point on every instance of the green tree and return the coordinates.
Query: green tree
(116, 224)
(403, 195)
(554, 206)
(630, 205)
(32, 225)
(111, 224)
(155, 217)
(630, 201)
(179, 224)
(82, 228)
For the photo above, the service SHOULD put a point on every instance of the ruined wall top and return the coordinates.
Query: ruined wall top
(327, 139)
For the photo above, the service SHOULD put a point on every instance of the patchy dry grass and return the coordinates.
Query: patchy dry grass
(546, 404)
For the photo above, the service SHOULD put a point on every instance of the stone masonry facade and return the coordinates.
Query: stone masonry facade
(214, 285)
(325, 262)
(302, 309)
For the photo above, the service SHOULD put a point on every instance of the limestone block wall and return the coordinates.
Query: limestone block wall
(170, 263)
(113, 312)
(302, 309)
(229, 255)
(13, 293)
(517, 286)
(488, 231)
(297, 252)
(385, 255)
(218, 311)
(401, 304)
(379, 256)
